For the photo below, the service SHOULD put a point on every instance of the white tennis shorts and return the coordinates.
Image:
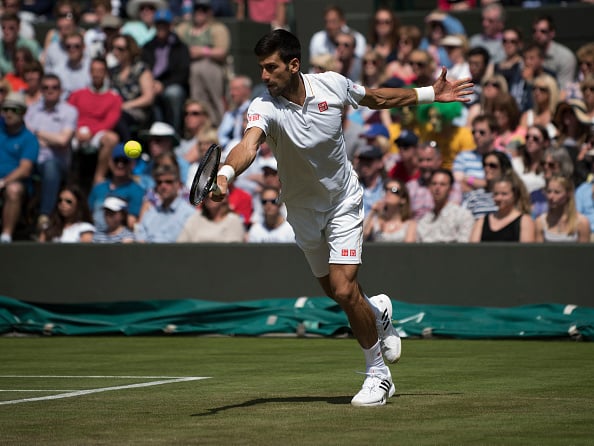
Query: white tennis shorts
(333, 236)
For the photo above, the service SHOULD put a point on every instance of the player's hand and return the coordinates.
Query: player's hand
(452, 91)
(220, 191)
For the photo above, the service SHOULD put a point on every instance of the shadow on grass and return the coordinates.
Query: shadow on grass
(339, 400)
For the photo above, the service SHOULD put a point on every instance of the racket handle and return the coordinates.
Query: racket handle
(215, 188)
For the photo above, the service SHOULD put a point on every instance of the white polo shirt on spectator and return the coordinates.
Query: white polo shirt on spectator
(308, 142)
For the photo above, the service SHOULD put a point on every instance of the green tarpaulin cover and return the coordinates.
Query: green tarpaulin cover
(309, 315)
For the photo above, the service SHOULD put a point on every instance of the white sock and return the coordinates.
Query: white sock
(373, 357)
(7, 238)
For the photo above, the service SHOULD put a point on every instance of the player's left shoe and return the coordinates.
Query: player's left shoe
(389, 338)
(376, 389)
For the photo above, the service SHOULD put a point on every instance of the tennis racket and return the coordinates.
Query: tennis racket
(205, 179)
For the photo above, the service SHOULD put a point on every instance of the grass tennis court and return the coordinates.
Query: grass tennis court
(288, 391)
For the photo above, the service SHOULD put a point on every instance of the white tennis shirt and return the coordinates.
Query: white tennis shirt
(308, 140)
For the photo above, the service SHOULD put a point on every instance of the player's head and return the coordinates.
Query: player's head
(279, 57)
(286, 43)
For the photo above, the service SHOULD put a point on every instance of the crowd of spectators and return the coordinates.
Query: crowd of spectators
(516, 163)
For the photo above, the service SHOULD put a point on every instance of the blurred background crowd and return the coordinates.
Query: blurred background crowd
(515, 163)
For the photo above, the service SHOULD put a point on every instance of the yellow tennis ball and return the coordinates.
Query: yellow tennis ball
(133, 149)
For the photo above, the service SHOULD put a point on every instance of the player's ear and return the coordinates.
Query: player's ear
(294, 65)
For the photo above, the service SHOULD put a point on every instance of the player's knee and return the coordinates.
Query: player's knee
(345, 293)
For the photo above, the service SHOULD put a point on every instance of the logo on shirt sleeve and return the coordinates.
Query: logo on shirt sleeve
(348, 252)
(253, 117)
(323, 106)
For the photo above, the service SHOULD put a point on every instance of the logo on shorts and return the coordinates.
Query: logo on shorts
(254, 117)
(348, 253)
(323, 106)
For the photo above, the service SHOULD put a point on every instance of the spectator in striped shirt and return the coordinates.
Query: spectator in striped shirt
(480, 201)
(468, 165)
(116, 214)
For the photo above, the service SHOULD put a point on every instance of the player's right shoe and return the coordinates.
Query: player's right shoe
(389, 339)
(376, 389)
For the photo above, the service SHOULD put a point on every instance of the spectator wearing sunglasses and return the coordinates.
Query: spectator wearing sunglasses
(558, 58)
(545, 98)
(163, 222)
(214, 222)
(480, 201)
(70, 221)
(54, 122)
(468, 165)
(121, 184)
(74, 71)
(18, 154)
(510, 67)
(55, 53)
(390, 219)
(273, 227)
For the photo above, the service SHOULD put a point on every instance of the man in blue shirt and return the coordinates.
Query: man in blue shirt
(121, 185)
(162, 223)
(18, 152)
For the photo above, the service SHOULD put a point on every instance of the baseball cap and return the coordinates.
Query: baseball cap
(369, 152)
(376, 130)
(269, 163)
(115, 204)
(407, 139)
(163, 16)
(118, 152)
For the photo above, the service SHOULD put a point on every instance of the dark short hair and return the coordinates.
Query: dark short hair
(534, 47)
(52, 76)
(286, 43)
(489, 119)
(504, 161)
(479, 51)
(447, 172)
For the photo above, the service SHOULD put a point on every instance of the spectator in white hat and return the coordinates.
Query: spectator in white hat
(160, 138)
(16, 166)
(115, 211)
(141, 25)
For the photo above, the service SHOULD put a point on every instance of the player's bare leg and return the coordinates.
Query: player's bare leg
(342, 286)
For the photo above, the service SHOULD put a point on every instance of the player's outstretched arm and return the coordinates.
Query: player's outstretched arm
(441, 91)
(239, 159)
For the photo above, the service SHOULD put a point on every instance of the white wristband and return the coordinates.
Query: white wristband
(425, 95)
(228, 172)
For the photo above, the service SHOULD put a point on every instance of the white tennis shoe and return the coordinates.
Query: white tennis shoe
(376, 389)
(389, 339)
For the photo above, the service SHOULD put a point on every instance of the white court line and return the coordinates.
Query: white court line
(38, 390)
(98, 390)
(94, 376)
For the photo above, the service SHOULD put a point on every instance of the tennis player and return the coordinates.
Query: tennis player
(300, 118)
